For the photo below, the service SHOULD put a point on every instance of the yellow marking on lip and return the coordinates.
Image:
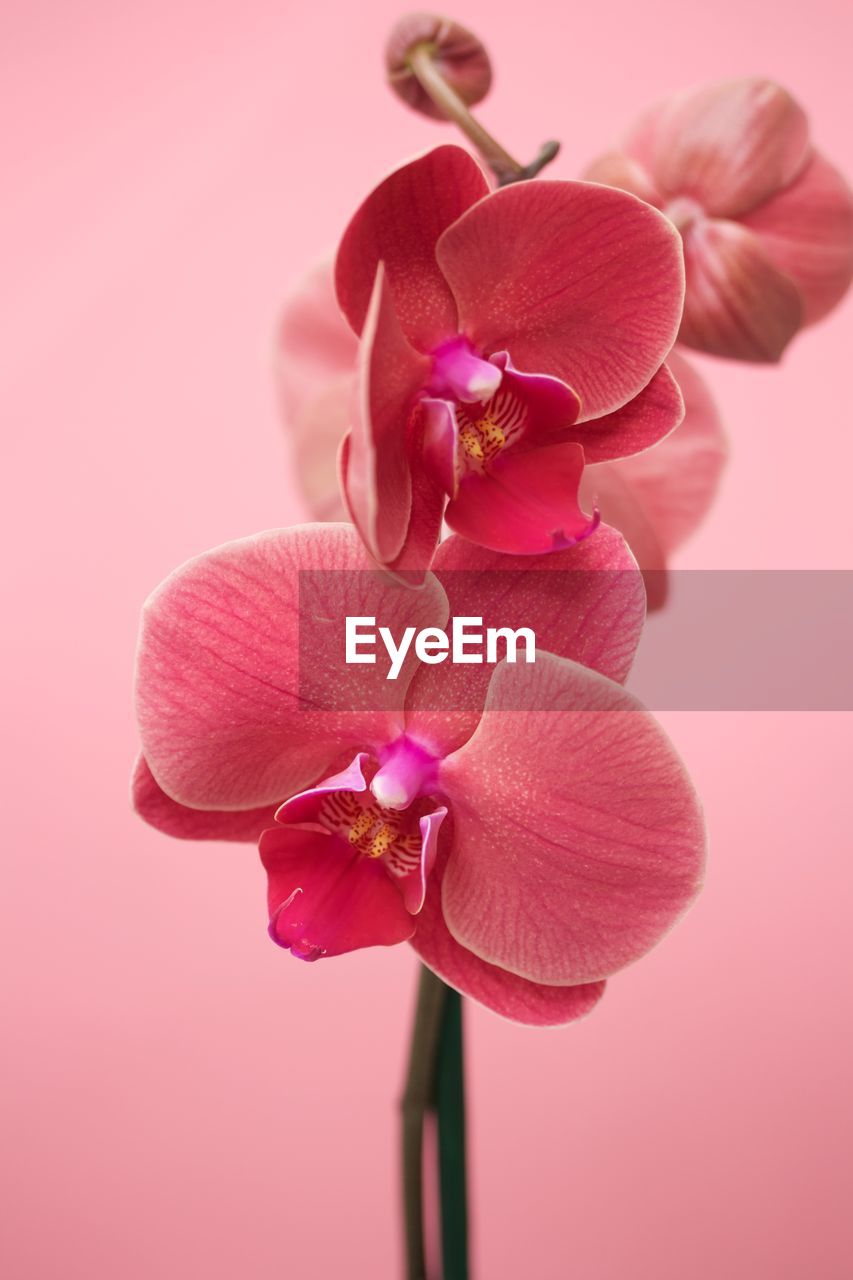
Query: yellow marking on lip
(382, 841)
(482, 440)
(361, 827)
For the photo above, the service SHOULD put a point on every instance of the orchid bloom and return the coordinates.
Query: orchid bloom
(506, 337)
(528, 842)
(767, 222)
(655, 499)
(658, 498)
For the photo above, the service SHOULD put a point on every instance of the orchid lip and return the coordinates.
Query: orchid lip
(349, 864)
(460, 373)
(562, 543)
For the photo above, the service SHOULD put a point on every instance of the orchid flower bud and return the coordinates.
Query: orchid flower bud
(459, 56)
(766, 221)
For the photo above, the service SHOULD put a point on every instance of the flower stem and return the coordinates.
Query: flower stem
(505, 168)
(417, 1099)
(450, 1106)
(435, 1082)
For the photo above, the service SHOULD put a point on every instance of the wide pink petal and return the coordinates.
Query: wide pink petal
(604, 487)
(326, 899)
(316, 438)
(658, 498)
(677, 481)
(586, 603)
(316, 356)
(399, 224)
(615, 169)
(505, 993)
(727, 145)
(230, 718)
(151, 803)
(525, 504)
(314, 344)
(806, 231)
(639, 424)
(573, 279)
(578, 839)
(378, 473)
(737, 304)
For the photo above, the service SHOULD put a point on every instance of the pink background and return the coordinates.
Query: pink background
(182, 1099)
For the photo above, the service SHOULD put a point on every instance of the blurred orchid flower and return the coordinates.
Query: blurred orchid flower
(529, 843)
(656, 498)
(767, 222)
(505, 338)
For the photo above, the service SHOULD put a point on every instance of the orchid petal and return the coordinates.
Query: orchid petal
(657, 498)
(604, 487)
(728, 145)
(807, 233)
(586, 603)
(326, 899)
(414, 885)
(738, 304)
(316, 357)
(151, 803)
(399, 224)
(229, 718)
(306, 805)
(525, 504)
(578, 839)
(676, 482)
(505, 993)
(549, 404)
(576, 280)
(615, 169)
(378, 474)
(440, 442)
(642, 422)
(423, 530)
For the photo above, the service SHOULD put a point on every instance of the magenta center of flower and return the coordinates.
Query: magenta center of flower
(461, 375)
(407, 770)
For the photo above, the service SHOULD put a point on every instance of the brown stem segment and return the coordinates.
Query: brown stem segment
(417, 1099)
(505, 168)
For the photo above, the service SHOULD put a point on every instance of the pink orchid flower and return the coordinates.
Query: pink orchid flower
(528, 843)
(505, 338)
(767, 222)
(656, 498)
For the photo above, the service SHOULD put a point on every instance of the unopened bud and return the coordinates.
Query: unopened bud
(459, 57)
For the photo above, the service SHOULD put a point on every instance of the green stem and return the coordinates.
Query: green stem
(435, 1083)
(450, 1106)
(417, 1099)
